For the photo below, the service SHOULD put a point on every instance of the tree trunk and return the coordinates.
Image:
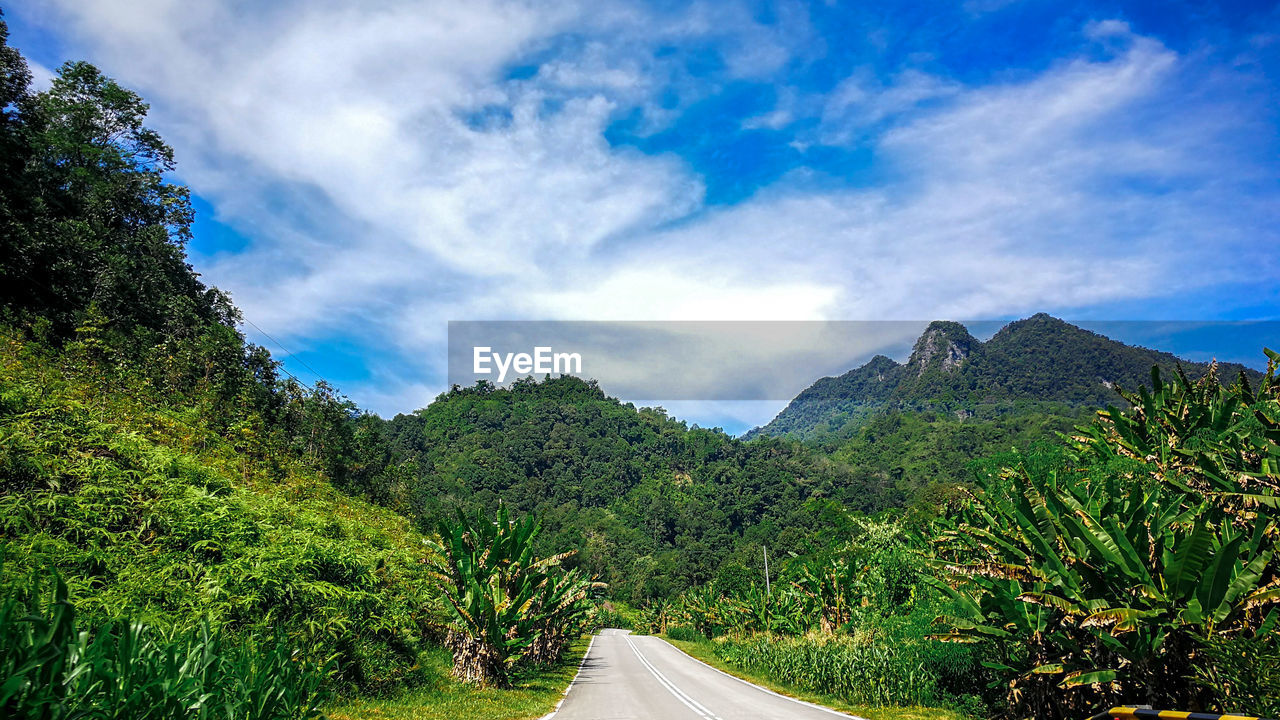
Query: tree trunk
(546, 649)
(476, 661)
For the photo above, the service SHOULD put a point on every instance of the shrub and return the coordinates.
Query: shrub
(151, 515)
(1141, 557)
(508, 604)
(612, 615)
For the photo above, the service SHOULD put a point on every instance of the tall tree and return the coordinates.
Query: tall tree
(89, 217)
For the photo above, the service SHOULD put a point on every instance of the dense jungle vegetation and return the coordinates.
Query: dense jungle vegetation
(652, 506)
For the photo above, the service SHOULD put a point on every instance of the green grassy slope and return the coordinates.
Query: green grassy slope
(149, 514)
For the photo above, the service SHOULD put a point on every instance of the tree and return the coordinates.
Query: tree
(89, 214)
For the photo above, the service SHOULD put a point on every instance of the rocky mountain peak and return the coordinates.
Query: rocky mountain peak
(944, 345)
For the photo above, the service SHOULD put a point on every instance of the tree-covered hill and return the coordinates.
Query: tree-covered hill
(653, 505)
(1040, 365)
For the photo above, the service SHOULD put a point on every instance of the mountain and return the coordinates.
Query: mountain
(1040, 363)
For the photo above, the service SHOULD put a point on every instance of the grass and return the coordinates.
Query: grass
(535, 694)
(706, 653)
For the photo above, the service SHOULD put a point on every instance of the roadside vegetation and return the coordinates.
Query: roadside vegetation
(707, 651)
(508, 605)
(1133, 562)
(853, 622)
(151, 515)
(534, 691)
(179, 534)
(1122, 566)
(54, 668)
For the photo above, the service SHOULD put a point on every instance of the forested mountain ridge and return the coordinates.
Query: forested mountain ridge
(1038, 364)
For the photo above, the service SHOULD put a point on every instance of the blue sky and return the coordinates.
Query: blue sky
(366, 172)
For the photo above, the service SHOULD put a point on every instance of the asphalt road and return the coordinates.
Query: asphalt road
(637, 677)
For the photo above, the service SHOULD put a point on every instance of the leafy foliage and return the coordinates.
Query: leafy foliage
(146, 450)
(1099, 576)
(1244, 670)
(151, 515)
(507, 603)
(870, 674)
(853, 621)
(88, 217)
(51, 668)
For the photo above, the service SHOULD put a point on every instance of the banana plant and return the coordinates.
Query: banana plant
(704, 610)
(1101, 578)
(560, 610)
(656, 616)
(1222, 442)
(829, 590)
(755, 610)
(492, 581)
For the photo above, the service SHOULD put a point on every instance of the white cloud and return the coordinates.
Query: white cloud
(858, 103)
(651, 291)
(772, 120)
(41, 76)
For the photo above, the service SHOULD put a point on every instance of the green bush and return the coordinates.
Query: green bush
(612, 615)
(50, 668)
(1243, 671)
(1144, 554)
(508, 604)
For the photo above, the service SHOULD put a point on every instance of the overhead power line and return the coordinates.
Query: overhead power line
(286, 352)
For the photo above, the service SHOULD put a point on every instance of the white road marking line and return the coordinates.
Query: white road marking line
(680, 695)
(585, 655)
(765, 689)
